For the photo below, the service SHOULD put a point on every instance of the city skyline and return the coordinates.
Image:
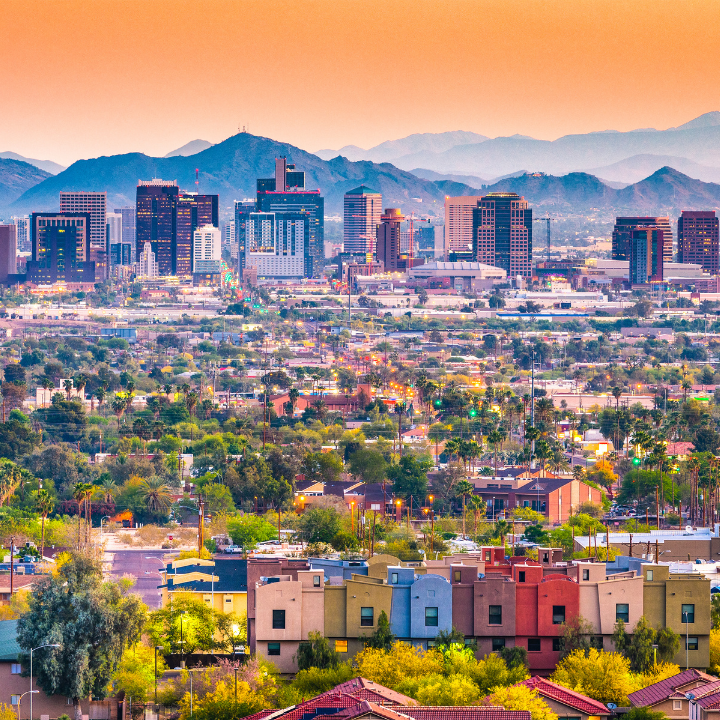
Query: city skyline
(580, 67)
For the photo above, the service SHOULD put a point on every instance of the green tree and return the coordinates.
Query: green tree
(409, 477)
(322, 467)
(319, 524)
(316, 653)
(368, 465)
(382, 638)
(91, 619)
(638, 646)
(217, 498)
(577, 633)
(44, 504)
(248, 530)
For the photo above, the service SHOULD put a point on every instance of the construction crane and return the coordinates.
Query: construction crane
(547, 219)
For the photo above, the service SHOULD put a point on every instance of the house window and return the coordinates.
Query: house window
(688, 613)
(431, 617)
(367, 617)
(586, 573)
(278, 619)
(341, 646)
(457, 576)
(521, 576)
(495, 615)
(557, 644)
(692, 643)
(677, 704)
(649, 575)
(558, 614)
(14, 699)
(15, 669)
(394, 578)
(316, 581)
(273, 648)
(533, 644)
(498, 644)
(487, 556)
(622, 612)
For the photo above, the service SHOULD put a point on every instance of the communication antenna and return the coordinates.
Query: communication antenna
(197, 180)
(547, 220)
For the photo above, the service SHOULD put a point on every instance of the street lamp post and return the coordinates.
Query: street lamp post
(104, 517)
(32, 650)
(157, 647)
(182, 642)
(191, 671)
(30, 693)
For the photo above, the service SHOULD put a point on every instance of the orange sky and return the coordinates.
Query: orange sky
(81, 78)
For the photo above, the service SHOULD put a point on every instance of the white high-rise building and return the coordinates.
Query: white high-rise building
(147, 264)
(23, 234)
(207, 254)
(228, 234)
(114, 228)
(94, 203)
(459, 223)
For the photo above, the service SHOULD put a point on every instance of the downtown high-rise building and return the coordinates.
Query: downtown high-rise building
(243, 208)
(361, 215)
(8, 251)
(698, 239)
(61, 249)
(502, 233)
(128, 226)
(299, 226)
(647, 250)
(206, 251)
(23, 233)
(155, 205)
(459, 223)
(622, 235)
(388, 240)
(192, 211)
(94, 203)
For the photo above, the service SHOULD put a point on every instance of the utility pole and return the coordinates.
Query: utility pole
(532, 415)
(201, 526)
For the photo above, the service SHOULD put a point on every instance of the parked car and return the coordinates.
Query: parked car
(232, 549)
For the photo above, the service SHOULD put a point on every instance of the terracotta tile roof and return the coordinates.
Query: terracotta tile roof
(295, 712)
(702, 691)
(475, 712)
(660, 691)
(565, 696)
(364, 708)
(368, 690)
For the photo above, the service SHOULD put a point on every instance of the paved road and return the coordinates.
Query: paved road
(135, 563)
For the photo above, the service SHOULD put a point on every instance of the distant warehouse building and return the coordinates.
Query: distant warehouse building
(463, 276)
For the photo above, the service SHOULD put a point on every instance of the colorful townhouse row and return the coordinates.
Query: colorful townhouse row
(493, 600)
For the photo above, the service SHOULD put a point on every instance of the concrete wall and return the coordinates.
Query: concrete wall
(494, 590)
(430, 591)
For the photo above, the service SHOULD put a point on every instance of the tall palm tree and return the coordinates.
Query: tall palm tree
(478, 505)
(118, 407)
(156, 495)
(44, 504)
(495, 437)
(109, 488)
(191, 400)
(79, 494)
(68, 385)
(10, 480)
(463, 489)
(557, 462)
(46, 383)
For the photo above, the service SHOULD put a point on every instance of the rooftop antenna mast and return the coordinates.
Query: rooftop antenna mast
(197, 183)
(547, 219)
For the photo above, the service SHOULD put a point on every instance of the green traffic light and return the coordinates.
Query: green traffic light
(636, 461)
(473, 412)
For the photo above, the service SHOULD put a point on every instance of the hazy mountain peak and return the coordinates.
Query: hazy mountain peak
(47, 165)
(708, 119)
(191, 148)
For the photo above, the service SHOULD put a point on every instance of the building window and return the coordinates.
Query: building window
(649, 575)
(273, 648)
(15, 669)
(558, 614)
(586, 573)
(498, 644)
(521, 576)
(341, 646)
(367, 617)
(677, 704)
(688, 613)
(487, 556)
(278, 619)
(457, 576)
(431, 617)
(14, 699)
(692, 643)
(597, 642)
(316, 581)
(394, 578)
(533, 644)
(495, 615)
(557, 644)
(622, 612)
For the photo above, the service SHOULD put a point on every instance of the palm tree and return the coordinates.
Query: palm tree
(495, 437)
(109, 488)
(686, 385)
(293, 396)
(501, 529)
(557, 462)
(156, 495)
(191, 400)
(44, 504)
(80, 382)
(320, 408)
(167, 389)
(68, 385)
(100, 395)
(10, 479)
(118, 407)
(46, 383)
(478, 505)
(463, 489)
(79, 494)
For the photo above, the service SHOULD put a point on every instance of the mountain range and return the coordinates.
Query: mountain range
(48, 166)
(16, 177)
(230, 169)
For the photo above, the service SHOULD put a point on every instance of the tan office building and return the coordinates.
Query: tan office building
(459, 223)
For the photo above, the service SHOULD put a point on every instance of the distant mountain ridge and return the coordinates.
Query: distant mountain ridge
(230, 169)
(48, 166)
(191, 148)
(16, 177)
